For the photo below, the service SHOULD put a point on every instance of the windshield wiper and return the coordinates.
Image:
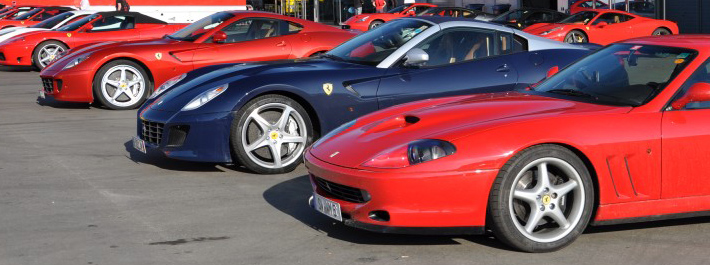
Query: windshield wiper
(572, 92)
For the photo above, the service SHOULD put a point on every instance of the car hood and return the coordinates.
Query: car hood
(244, 78)
(542, 27)
(445, 119)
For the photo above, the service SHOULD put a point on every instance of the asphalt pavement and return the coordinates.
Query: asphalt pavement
(73, 191)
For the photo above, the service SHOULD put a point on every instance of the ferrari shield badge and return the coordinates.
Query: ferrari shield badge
(69, 35)
(328, 88)
(158, 55)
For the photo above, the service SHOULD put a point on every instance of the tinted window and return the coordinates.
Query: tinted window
(113, 23)
(195, 30)
(292, 28)
(510, 43)
(27, 15)
(458, 45)
(78, 24)
(580, 18)
(251, 29)
(620, 74)
(612, 18)
(50, 23)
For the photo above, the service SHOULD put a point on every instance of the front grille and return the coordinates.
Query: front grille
(152, 132)
(48, 85)
(339, 191)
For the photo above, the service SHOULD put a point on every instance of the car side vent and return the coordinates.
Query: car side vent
(411, 119)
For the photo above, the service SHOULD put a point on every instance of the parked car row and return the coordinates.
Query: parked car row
(430, 124)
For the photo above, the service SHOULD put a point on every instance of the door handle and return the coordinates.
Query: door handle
(281, 44)
(503, 68)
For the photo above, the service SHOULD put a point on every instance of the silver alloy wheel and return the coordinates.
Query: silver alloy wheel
(49, 53)
(660, 32)
(285, 137)
(574, 37)
(123, 85)
(547, 199)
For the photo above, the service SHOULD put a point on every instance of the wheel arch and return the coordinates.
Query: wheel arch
(664, 27)
(316, 121)
(132, 59)
(580, 30)
(32, 57)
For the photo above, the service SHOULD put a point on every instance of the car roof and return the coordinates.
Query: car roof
(694, 41)
(139, 18)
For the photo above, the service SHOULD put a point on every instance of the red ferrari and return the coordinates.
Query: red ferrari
(122, 75)
(587, 5)
(620, 136)
(13, 12)
(365, 22)
(40, 48)
(33, 17)
(602, 27)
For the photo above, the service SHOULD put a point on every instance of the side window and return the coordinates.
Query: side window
(702, 75)
(419, 9)
(237, 31)
(288, 27)
(41, 16)
(75, 19)
(509, 43)
(263, 28)
(536, 17)
(612, 18)
(468, 14)
(458, 45)
(113, 23)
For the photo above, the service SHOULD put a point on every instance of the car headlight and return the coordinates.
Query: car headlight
(76, 61)
(332, 133)
(550, 31)
(205, 97)
(168, 84)
(413, 153)
(363, 19)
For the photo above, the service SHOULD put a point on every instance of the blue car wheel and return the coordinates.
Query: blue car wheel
(269, 134)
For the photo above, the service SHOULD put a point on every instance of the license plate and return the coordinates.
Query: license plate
(42, 95)
(327, 207)
(139, 144)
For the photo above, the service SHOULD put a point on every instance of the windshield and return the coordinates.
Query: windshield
(53, 21)
(28, 14)
(510, 16)
(621, 74)
(399, 9)
(580, 18)
(78, 24)
(373, 46)
(195, 30)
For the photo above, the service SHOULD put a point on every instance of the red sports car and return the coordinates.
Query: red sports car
(13, 12)
(602, 27)
(620, 136)
(122, 75)
(33, 17)
(587, 5)
(40, 48)
(365, 22)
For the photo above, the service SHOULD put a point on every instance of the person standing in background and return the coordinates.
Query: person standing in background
(358, 7)
(122, 5)
(379, 5)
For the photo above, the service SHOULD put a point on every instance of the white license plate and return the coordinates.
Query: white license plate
(327, 207)
(139, 144)
(41, 94)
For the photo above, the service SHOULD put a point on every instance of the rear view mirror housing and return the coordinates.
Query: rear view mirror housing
(415, 57)
(698, 92)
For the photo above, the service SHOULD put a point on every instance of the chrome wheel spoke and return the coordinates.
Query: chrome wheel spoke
(559, 218)
(276, 154)
(533, 220)
(263, 124)
(283, 120)
(565, 188)
(289, 138)
(528, 196)
(543, 177)
(261, 142)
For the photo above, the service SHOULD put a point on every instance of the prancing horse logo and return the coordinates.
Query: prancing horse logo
(328, 88)
(158, 55)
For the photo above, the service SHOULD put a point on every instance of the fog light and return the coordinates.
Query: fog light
(379, 215)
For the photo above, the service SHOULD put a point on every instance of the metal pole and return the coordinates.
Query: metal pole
(316, 11)
(627, 6)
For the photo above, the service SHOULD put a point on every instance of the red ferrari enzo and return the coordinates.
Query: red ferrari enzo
(33, 17)
(40, 48)
(620, 136)
(365, 22)
(602, 27)
(122, 75)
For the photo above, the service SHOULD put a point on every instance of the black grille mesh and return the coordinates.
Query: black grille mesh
(340, 191)
(152, 132)
(48, 85)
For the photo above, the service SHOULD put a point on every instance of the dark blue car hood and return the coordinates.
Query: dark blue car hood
(243, 78)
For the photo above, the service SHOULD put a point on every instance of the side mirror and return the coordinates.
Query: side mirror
(552, 71)
(415, 57)
(409, 13)
(88, 28)
(219, 37)
(602, 24)
(698, 92)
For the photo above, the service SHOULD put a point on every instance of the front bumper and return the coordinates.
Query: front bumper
(361, 26)
(453, 202)
(16, 55)
(195, 137)
(71, 85)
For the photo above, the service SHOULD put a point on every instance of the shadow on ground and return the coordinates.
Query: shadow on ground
(158, 159)
(51, 102)
(5, 68)
(291, 197)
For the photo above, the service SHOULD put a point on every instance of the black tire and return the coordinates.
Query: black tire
(375, 24)
(36, 60)
(317, 54)
(576, 36)
(101, 98)
(240, 136)
(502, 217)
(661, 31)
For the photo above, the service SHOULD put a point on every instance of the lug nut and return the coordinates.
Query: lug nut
(542, 208)
(554, 195)
(552, 206)
(546, 190)
(538, 196)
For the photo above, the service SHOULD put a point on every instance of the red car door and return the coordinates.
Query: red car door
(114, 28)
(686, 145)
(250, 39)
(610, 27)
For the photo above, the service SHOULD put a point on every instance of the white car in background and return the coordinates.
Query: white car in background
(49, 24)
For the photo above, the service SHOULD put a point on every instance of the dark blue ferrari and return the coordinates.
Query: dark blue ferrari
(263, 115)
